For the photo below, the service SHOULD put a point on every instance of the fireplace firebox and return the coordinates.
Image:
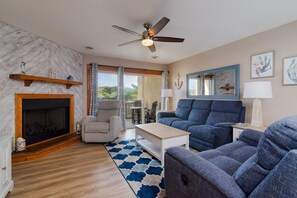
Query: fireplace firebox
(40, 117)
(45, 119)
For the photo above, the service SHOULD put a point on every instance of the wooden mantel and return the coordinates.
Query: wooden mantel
(28, 79)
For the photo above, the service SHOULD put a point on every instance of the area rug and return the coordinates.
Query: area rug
(143, 172)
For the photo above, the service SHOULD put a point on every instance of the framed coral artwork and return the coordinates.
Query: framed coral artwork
(290, 71)
(262, 65)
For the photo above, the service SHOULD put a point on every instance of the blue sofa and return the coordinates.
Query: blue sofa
(254, 166)
(208, 121)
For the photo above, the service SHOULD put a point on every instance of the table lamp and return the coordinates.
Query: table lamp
(257, 90)
(166, 93)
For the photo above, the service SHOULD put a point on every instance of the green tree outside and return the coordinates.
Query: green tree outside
(111, 93)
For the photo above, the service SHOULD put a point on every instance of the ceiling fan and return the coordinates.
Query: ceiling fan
(148, 37)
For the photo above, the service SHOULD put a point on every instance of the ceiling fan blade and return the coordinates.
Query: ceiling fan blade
(159, 26)
(130, 42)
(168, 39)
(152, 48)
(126, 30)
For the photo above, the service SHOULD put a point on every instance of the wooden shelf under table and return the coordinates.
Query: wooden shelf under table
(28, 79)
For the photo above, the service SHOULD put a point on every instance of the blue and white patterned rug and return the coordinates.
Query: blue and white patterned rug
(143, 172)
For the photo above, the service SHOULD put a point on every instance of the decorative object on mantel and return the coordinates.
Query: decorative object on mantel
(179, 83)
(262, 65)
(28, 79)
(290, 71)
(52, 73)
(23, 67)
(21, 144)
(69, 77)
(227, 87)
(257, 90)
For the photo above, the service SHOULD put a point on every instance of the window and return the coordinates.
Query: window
(107, 85)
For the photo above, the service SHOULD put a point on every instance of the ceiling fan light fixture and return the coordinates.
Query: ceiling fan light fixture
(147, 42)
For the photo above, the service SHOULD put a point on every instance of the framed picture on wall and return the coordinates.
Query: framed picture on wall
(262, 65)
(290, 71)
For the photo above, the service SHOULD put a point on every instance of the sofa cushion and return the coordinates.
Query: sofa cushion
(200, 111)
(224, 111)
(183, 124)
(183, 108)
(95, 127)
(168, 121)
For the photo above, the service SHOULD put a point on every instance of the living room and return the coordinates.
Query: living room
(54, 50)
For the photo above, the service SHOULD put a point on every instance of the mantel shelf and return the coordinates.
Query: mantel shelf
(28, 79)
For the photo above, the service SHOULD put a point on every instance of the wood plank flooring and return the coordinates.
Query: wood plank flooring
(80, 170)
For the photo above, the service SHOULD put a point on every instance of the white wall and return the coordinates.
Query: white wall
(282, 40)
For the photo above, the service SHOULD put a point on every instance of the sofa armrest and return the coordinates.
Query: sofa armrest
(86, 120)
(114, 127)
(163, 114)
(250, 137)
(224, 124)
(189, 175)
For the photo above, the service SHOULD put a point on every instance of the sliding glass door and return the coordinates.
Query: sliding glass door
(142, 95)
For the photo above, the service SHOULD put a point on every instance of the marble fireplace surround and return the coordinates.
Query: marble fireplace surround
(18, 109)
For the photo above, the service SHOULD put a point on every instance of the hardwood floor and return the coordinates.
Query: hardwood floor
(80, 170)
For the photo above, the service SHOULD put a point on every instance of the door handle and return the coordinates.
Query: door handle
(4, 168)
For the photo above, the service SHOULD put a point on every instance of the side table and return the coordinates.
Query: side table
(238, 128)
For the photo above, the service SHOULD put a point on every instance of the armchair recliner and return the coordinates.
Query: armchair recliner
(257, 165)
(105, 126)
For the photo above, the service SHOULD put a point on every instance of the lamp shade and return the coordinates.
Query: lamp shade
(257, 89)
(166, 93)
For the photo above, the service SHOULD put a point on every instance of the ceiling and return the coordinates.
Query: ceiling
(205, 24)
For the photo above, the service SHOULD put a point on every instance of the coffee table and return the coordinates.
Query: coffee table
(159, 137)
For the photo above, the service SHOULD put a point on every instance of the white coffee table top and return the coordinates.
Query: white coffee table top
(162, 131)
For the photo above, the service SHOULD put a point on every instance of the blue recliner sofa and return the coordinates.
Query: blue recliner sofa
(208, 121)
(257, 165)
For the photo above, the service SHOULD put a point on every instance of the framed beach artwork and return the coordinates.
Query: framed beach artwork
(290, 71)
(262, 65)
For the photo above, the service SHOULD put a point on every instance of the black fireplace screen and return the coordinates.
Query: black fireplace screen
(45, 119)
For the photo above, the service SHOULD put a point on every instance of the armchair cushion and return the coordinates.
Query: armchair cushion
(276, 142)
(105, 115)
(97, 127)
(107, 109)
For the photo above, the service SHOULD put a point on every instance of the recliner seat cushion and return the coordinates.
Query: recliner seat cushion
(95, 127)
(183, 108)
(168, 121)
(183, 124)
(200, 111)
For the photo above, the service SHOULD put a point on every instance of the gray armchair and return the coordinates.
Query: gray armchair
(105, 126)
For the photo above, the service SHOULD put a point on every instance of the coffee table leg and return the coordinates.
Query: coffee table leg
(162, 154)
(187, 144)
